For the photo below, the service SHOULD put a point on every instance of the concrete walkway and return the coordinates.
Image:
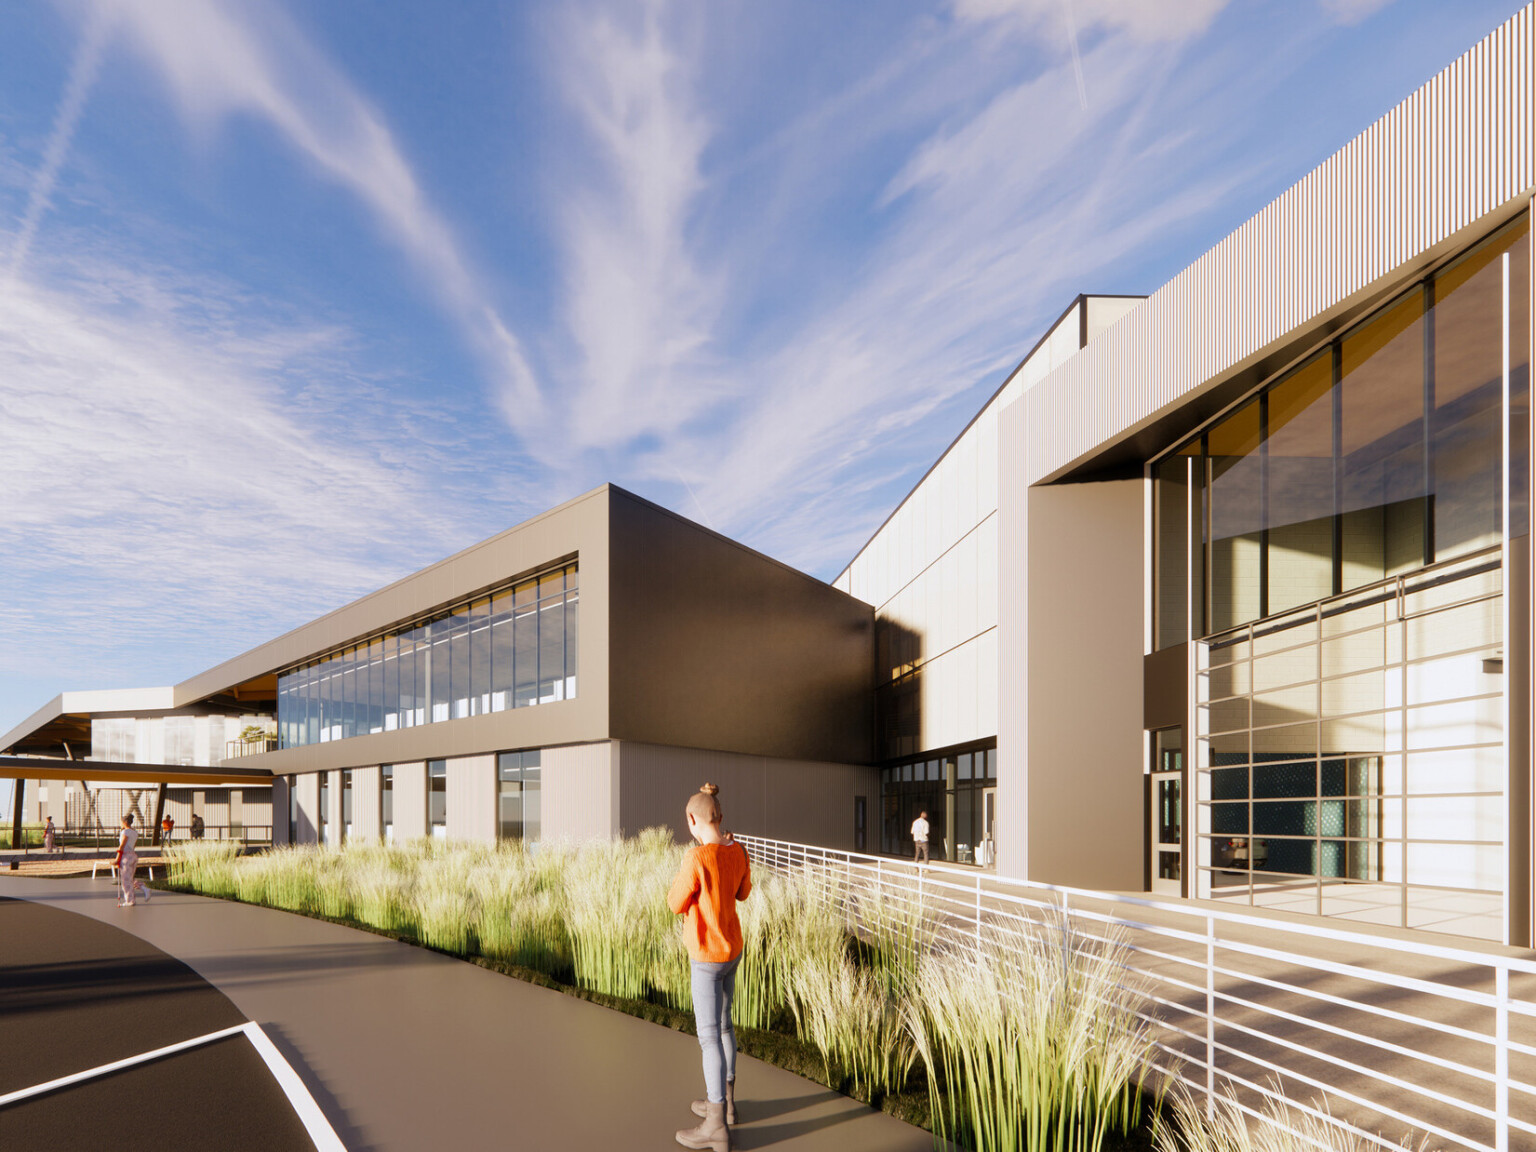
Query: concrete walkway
(405, 1049)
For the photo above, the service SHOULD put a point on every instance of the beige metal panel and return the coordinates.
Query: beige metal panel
(1011, 835)
(335, 827)
(806, 801)
(366, 794)
(472, 799)
(1104, 311)
(580, 792)
(1085, 661)
(410, 801)
(57, 806)
(308, 789)
(563, 722)
(712, 645)
(1448, 162)
(987, 691)
(577, 527)
(280, 787)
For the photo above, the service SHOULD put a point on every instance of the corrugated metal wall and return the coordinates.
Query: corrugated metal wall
(1455, 151)
(1452, 158)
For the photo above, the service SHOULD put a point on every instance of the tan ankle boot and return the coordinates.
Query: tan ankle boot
(701, 1106)
(712, 1133)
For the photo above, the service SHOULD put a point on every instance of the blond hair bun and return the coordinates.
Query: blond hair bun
(710, 789)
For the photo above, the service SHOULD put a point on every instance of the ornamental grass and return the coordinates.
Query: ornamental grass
(1031, 1037)
(1028, 1036)
(1277, 1126)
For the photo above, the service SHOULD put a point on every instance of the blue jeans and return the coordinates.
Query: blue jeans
(714, 987)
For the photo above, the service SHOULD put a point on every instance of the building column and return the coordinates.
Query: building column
(410, 801)
(21, 792)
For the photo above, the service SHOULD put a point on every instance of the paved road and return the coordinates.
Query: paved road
(410, 1050)
(77, 994)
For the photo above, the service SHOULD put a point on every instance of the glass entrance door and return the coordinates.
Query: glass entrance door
(1165, 834)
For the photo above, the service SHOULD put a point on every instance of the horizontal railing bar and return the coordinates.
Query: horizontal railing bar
(1357, 1069)
(1372, 1041)
(1327, 1089)
(947, 900)
(1318, 932)
(1373, 1009)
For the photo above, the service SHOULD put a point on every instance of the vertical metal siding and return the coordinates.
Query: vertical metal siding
(1456, 150)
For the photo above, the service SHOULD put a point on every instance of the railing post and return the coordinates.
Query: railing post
(1210, 1017)
(1501, 1057)
(977, 880)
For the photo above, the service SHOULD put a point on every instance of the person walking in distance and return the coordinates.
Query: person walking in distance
(920, 838)
(49, 835)
(715, 873)
(127, 861)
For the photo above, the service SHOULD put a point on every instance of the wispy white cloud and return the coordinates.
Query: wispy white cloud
(1352, 11)
(639, 306)
(1148, 20)
(82, 75)
(161, 470)
(222, 58)
(992, 217)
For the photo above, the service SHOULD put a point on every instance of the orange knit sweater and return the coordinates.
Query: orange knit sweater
(713, 877)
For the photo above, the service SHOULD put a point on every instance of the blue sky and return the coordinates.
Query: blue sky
(295, 299)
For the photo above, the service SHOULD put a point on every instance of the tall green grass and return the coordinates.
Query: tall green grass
(31, 836)
(1279, 1127)
(1029, 1037)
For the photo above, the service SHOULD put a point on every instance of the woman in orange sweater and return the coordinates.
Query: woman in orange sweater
(715, 874)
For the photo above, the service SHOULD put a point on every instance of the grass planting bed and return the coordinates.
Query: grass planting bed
(1026, 1041)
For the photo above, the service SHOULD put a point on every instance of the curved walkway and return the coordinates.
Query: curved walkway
(406, 1049)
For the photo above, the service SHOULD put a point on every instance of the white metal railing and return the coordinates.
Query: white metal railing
(1413, 1038)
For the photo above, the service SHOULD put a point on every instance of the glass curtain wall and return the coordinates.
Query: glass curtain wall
(953, 790)
(517, 783)
(1335, 544)
(1380, 454)
(513, 648)
(437, 798)
(1353, 752)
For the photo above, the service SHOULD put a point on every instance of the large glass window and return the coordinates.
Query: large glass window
(437, 798)
(957, 790)
(1351, 759)
(1378, 455)
(512, 649)
(517, 785)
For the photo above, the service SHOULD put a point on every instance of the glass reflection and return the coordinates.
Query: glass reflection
(1378, 455)
(512, 649)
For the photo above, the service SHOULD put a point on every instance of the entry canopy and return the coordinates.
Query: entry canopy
(54, 768)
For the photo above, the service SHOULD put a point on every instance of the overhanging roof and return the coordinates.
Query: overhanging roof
(51, 768)
(68, 715)
(577, 526)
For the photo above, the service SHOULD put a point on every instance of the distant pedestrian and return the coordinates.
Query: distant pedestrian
(167, 826)
(920, 838)
(127, 862)
(197, 827)
(48, 835)
(714, 875)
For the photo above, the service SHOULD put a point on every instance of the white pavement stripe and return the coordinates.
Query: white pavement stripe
(315, 1123)
(116, 1065)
